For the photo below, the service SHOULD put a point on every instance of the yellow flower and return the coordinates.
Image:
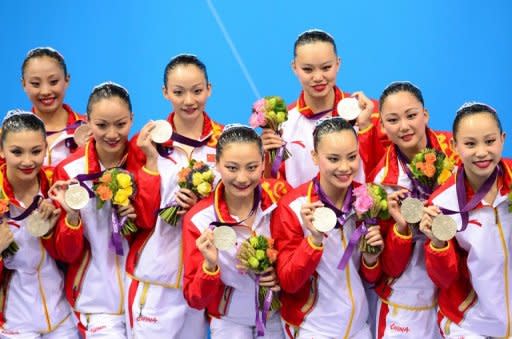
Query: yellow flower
(124, 180)
(208, 176)
(197, 178)
(445, 174)
(204, 189)
(121, 197)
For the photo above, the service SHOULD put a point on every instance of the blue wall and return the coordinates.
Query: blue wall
(454, 50)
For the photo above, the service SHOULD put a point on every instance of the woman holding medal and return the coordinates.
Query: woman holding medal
(468, 255)
(240, 207)
(407, 297)
(88, 237)
(321, 300)
(33, 303)
(316, 64)
(45, 79)
(156, 306)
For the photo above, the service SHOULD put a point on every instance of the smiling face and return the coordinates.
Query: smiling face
(479, 143)
(337, 157)
(188, 90)
(24, 153)
(45, 83)
(405, 120)
(316, 65)
(240, 166)
(110, 120)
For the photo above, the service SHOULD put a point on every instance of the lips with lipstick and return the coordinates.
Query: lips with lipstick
(28, 170)
(319, 88)
(407, 137)
(112, 144)
(482, 163)
(342, 177)
(47, 101)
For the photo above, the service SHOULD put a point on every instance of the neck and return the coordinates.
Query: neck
(412, 151)
(191, 129)
(476, 181)
(54, 120)
(239, 207)
(320, 104)
(24, 190)
(109, 159)
(336, 195)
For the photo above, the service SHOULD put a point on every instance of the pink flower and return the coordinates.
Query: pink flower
(259, 106)
(257, 119)
(363, 200)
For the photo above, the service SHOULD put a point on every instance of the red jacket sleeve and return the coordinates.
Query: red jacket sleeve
(200, 287)
(442, 264)
(370, 273)
(397, 252)
(68, 240)
(148, 196)
(372, 145)
(297, 257)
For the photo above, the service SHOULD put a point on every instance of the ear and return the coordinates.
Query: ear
(453, 143)
(314, 156)
(338, 64)
(66, 80)
(164, 93)
(427, 116)
(209, 89)
(23, 83)
(503, 135)
(294, 66)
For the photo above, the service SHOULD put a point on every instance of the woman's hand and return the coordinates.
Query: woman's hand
(367, 106)
(373, 238)
(394, 200)
(6, 236)
(271, 140)
(426, 225)
(57, 192)
(306, 213)
(185, 199)
(148, 147)
(210, 253)
(269, 279)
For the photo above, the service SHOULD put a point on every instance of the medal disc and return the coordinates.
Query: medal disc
(162, 131)
(324, 219)
(412, 210)
(76, 197)
(36, 226)
(81, 134)
(349, 109)
(224, 238)
(444, 228)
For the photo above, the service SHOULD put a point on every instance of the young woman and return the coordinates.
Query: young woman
(155, 263)
(96, 277)
(319, 300)
(33, 303)
(472, 270)
(45, 79)
(316, 65)
(407, 297)
(246, 203)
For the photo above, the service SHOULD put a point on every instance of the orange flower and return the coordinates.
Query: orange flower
(4, 206)
(183, 174)
(271, 254)
(430, 158)
(270, 242)
(420, 166)
(106, 178)
(104, 192)
(429, 170)
(198, 165)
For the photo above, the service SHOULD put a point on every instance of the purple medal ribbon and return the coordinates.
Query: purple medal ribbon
(31, 208)
(466, 206)
(68, 142)
(277, 161)
(167, 151)
(256, 203)
(261, 321)
(86, 177)
(419, 190)
(116, 241)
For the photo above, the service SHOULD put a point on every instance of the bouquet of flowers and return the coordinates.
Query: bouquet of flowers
(431, 167)
(255, 255)
(370, 204)
(510, 200)
(117, 186)
(271, 112)
(197, 177)
(4, 209)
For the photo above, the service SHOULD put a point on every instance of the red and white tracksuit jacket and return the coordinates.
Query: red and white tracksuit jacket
(405, 285)
(298, 135)
(156, 254)
(95, 278)
(31, 285)
(316, 296)
(227, 293)
(473, 272)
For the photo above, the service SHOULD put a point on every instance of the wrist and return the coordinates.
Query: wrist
(209, 266)
(151, 165)
(438, 243)
(317, 241)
